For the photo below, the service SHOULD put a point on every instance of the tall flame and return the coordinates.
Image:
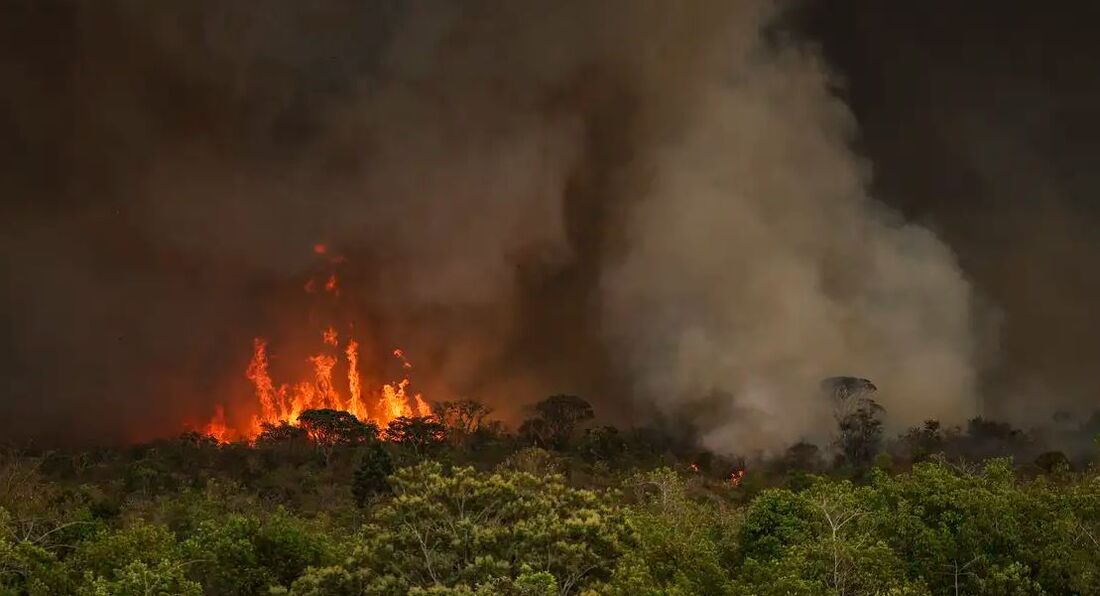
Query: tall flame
(355, 383)
(283, 403)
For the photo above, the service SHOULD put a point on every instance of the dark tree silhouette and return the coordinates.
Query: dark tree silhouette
(371, 478)
(422, 434)
(282, 433)
(556, 420)
(328, 429)
(462, 418)
(860, 435)
(922, 442)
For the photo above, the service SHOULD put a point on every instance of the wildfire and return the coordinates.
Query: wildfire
(283, 403)
(735, 478)
(321, 388)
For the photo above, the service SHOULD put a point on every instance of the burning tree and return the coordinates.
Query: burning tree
(333, 381)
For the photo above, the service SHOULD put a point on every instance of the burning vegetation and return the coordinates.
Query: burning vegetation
(333, 381)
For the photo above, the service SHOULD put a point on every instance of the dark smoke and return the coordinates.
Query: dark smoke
(652, 205)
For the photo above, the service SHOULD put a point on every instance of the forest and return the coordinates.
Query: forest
(455, 503)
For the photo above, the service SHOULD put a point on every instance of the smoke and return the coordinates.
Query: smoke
(652, 205)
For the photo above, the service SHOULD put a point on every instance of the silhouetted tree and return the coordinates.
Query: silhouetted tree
(556, 420)
(422, 434)
(603, 443)
(990, 438)
(804, 457)
(281, 433)
(328, 429)
(372, 474)
(462, 418)
(921, 442)
(860, 435)
(1052, 462)
(846, 394)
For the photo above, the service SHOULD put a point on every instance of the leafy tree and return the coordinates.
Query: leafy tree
(462, 419)
(246, 554)
(25, 566)
(100, 557)
(422, 434)
(860, 436)
(968, 532)
(141, 579)
(804, 457)
(602, 444)
(922, 442)
(329, 429)
(533, 460)
(819, 541)
(556, 420)
(467, 529)
(372, 473)
(284, 432)
(682, 547)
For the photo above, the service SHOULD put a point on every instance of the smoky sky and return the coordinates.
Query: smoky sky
(981, 121)
(538, 198)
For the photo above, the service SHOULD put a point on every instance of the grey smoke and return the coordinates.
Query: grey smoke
(654, 205)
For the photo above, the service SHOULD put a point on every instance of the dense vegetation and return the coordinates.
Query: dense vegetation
(453, 504)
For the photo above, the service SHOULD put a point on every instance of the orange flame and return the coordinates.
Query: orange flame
(216, 427)
(355, 383)
(275, 404)
(285, 402)
(735, 478)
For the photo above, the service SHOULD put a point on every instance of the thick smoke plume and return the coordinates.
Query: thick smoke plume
(651, 204)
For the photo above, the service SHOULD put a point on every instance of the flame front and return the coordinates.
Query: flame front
(284, 403)
(275, 404)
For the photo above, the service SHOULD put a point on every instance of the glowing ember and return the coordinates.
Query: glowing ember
(695, 468)
(735, 478)
(320, 248)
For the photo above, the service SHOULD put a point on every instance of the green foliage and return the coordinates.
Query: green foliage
(246, 554)
(682, 546)
(818, 541)
(99, 557)
(187, 516)
(465, 529)
(140, 579)
(533, 460)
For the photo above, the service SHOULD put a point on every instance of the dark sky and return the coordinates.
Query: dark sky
(979, 120)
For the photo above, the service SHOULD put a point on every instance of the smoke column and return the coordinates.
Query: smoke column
(653, 205)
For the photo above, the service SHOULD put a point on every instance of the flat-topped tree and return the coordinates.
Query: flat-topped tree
(331, 428)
